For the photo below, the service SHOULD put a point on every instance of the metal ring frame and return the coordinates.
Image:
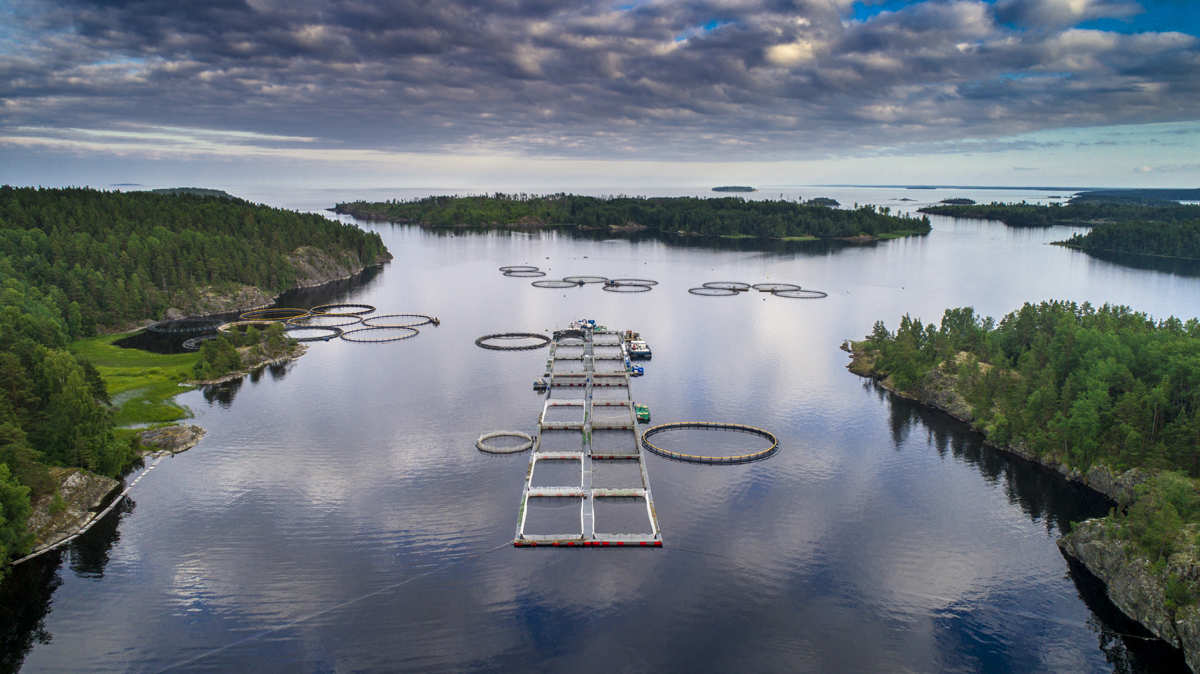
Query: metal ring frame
(351, 319)
(555, 284)
(713, 292)
(709, 425)
(363, 309)
(482, 342)
(334, 332)
(482, 445)
(796, 294)
(413, 332)
(626, 288)
(267, 314)
(772, 287)
(727, 285)
(369, 321)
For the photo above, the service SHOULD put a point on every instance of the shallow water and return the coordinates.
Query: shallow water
(337, 515)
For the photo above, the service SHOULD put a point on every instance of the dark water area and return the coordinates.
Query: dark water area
(338, 517)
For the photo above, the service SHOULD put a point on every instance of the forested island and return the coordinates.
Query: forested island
(734, 188)
(76, 262)
(682, 216)
(1158, 228)
(1107, 396)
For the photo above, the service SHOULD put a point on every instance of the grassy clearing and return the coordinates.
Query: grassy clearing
(801, 237)
(140, 383)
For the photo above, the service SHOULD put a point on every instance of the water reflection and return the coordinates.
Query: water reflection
(24, 602)
(88, 555)
(1041, 493)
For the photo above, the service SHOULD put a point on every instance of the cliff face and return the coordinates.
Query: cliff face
(1135, 587)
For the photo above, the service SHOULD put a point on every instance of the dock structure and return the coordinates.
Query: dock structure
(587, 484)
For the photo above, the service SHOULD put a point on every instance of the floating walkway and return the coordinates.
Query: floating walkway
(587, 484)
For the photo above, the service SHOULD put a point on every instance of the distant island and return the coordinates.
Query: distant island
(959, 201)
(1153, 228)
(734, 188)
(823, 201)
(1140, 195)
(194, 191)
(731, 217)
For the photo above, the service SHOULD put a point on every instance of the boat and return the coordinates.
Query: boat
(638, 349)
(642, 412)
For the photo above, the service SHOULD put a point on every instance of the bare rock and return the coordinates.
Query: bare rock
(170, 439)
(1135, 587)
(70, 506)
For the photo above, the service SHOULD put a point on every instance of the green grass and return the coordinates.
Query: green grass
(140, 383)
(899, 235)
(799, 237)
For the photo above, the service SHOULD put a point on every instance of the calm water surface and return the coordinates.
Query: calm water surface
(338, 517)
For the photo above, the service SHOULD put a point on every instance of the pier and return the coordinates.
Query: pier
(586, 456)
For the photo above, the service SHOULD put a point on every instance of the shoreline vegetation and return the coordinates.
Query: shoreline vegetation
(670, 216)
(77, 265)
(1124, 226)
(1105, 396)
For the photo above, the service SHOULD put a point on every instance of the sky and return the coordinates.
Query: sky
(539, 94)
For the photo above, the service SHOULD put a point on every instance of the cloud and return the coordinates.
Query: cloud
(760, 79)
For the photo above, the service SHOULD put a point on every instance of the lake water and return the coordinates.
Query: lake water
(337, 516)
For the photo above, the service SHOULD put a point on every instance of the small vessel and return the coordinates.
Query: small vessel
(642, 412)
(636, 371)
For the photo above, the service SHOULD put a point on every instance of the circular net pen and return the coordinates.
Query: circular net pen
(528, 273)
(343, 309)
(403, 321)
(713, 292)
(555, 284)
(626, 288)
(710, 426)
(330, 320)
(274, 314)
(801, 294)
(773, 287)
(631, 282)
(581, 280)
(484, 443)
(495, 341)
(185, 326)
(241, 325)
(379, 335)
(518, 267)
(737, 286)
(324, 332)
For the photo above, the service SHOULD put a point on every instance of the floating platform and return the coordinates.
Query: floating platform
(587, 484)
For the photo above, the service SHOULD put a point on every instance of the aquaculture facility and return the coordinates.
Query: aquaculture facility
(587, 483)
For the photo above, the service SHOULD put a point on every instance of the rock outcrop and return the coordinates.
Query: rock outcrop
(1135, 587)
(70, 506)
(170, 439)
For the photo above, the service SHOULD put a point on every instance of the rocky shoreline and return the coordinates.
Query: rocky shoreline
(1131, 584)
(74, 505)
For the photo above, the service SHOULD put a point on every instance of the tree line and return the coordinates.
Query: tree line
(75, 261)
(667, 215)
(1079, 385)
